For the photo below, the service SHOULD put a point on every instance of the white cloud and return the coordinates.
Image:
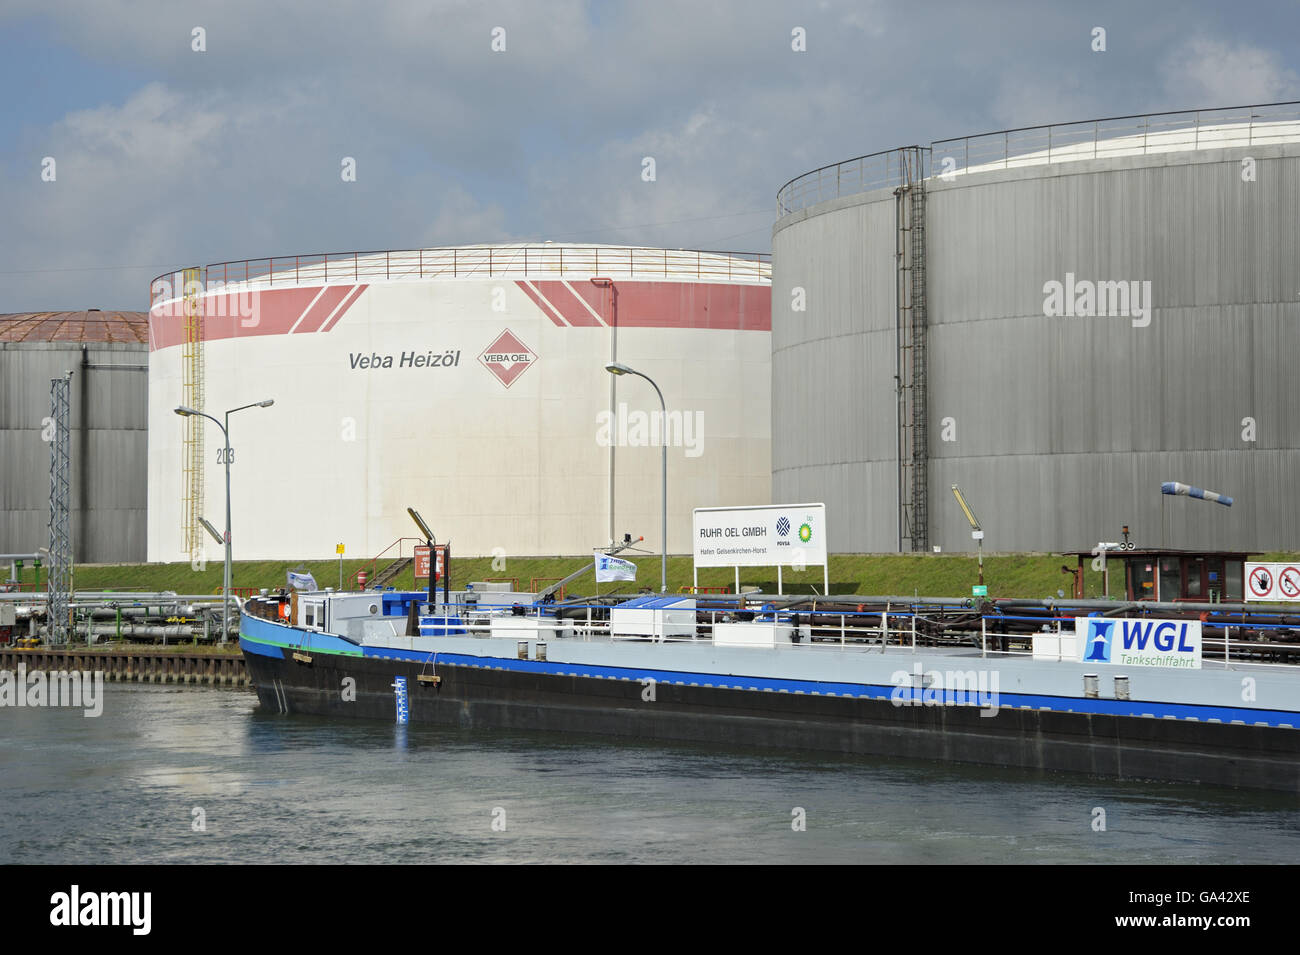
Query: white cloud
(1022, 99)
(157, 128)
(463, 220)
(236, 152)
(1205, 72)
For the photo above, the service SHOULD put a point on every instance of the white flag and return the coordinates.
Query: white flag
(302, 581)
(613, 568)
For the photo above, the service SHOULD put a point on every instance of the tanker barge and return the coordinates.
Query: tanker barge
(1153, 692)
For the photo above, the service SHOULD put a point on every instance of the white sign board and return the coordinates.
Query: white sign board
(1273, 582)
(1145, 642)
(774, 535)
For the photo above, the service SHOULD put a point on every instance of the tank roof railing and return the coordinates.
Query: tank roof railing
(1134, 135)
(887, 169)
(539, 260)
(1108, 137)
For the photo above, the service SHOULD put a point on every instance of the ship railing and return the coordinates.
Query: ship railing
(894, 627)
(1241, 645)
(1249, 644)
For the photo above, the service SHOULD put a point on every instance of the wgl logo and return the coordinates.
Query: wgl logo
(1097, 644)
(1147, 642)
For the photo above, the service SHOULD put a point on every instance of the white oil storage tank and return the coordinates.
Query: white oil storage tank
(469, 383)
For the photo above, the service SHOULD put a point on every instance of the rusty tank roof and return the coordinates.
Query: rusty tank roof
(88, 326)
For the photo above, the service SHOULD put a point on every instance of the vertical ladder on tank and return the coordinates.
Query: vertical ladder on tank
(920, 411)
(192, 397)
(59, 579)
(913, 435)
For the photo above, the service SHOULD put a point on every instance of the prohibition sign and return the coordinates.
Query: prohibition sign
(1289, 582)
(1261, 582)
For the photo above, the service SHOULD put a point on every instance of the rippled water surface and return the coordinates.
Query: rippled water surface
(129, 786)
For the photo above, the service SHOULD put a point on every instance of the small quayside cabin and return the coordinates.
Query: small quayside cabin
(1167, 575)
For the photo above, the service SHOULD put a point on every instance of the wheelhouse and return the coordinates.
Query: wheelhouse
(1167, 575)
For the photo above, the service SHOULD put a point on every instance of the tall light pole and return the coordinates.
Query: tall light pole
(976, 531)
(183, 411)
(618, 368)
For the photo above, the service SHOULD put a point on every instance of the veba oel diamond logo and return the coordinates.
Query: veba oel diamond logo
(507, 358)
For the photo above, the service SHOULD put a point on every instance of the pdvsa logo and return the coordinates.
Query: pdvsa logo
(784, 527)
(507, 358)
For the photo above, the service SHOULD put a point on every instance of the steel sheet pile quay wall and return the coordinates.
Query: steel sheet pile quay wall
(1166, 353)
(134, 665)
(470, 383)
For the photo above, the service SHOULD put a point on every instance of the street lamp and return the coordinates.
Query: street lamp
(976, 531)
(618, 368)
(186, 412)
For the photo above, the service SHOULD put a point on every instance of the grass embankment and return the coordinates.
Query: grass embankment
(1034, 576)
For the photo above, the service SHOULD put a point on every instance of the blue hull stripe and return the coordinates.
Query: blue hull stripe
(279, 634)
(260, 649)
(1069, 704)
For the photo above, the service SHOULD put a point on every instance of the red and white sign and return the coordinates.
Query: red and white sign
(1273, 582)
(422, 562)
(507, 357)
(1288, 583)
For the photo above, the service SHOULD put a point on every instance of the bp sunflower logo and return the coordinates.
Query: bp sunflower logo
(805, 532)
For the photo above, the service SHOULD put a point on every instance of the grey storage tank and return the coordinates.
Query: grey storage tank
(107, 353)
(1058, 320)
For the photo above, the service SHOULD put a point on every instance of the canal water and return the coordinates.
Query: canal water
(199, 775)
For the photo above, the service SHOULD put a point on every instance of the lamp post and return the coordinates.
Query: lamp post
(185, 412)
(976, 531)
(618, 368)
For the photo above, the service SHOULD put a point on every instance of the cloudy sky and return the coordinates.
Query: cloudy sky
(165, 156)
